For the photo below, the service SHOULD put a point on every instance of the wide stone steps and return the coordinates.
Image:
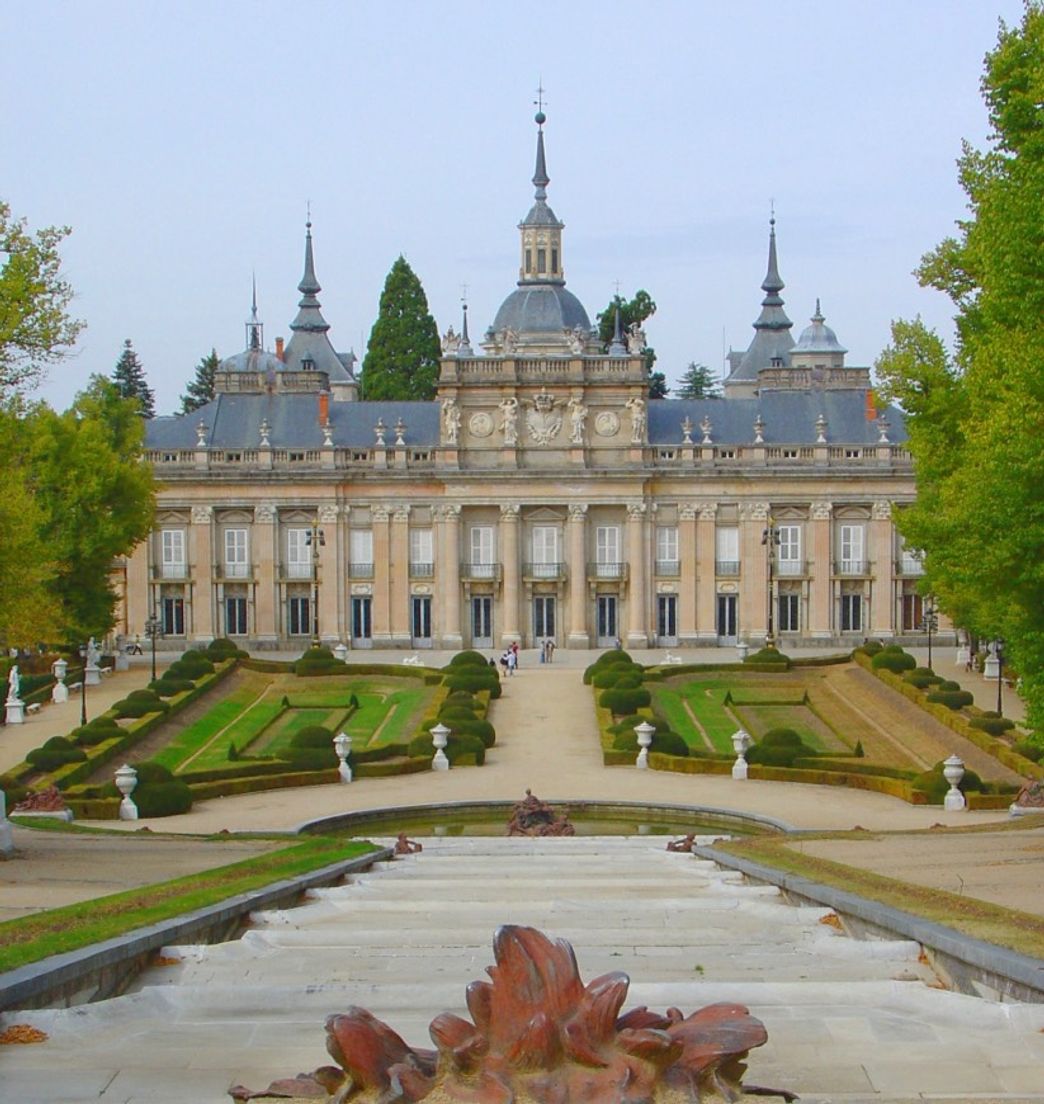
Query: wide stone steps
(848, 1020)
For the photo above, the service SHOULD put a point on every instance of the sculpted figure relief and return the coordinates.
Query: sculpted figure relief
(451, 420)
(577, 421)
(509, 420)
(636, 406)
(450, 341)
(635, 338)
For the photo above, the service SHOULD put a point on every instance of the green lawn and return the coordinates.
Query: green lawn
(706, 700)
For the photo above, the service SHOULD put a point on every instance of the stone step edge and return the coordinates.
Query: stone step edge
(967, 963)
(104, 969)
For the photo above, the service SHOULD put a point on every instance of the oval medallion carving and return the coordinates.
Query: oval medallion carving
(480, 424)
(607, 424)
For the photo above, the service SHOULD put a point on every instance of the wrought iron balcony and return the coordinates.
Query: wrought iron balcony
(479, 571)
(422, 570)
(360, 571)
(607, 570)
(909, 566)
(554, 572)
(726, 567)
(174, 572)
(668, 569)
(851, 567)
(785, 568)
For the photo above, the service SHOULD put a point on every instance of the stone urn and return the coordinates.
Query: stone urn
(953, 772)
(126, 779)
(439, 737)
(740, 742)
(343, 748)
(644, 732)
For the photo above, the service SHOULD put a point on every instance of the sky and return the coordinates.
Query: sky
(183, 143)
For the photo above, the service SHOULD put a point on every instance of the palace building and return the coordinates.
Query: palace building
(541, 495)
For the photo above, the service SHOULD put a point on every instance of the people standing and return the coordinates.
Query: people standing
(514, 652)
(512, 661)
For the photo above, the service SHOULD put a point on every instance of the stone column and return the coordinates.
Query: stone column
(203, 574)
(508, 545)
(637, 628)
(330, 575)
(379, 519)
(881, 622)
(821, 568)
(753, 619)
(264, 545)
(688, 574)
(140, 605)
(578, 635)
(399, 582)
(447, 574)
(706, 581)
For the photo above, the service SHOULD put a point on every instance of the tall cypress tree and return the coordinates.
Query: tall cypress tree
(201, 389)
(402, 357)
(129, 377)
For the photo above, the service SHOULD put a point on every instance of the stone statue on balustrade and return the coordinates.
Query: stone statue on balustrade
(451, 420)
(577, 421)
(509, 420)
(636, 405)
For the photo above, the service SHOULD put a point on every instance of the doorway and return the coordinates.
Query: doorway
(605, 614)
(482, 621)
(421, 621)
(543, 618)
(727, 606)
(362, 622)
(667, 619)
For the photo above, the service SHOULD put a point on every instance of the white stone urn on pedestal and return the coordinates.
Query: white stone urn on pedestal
(743, 650)
(126, 780)
(644, 732)
(440, 734)
(343, 747)
(60, 692)
(341, 652)
(953, 772)
(740, 742)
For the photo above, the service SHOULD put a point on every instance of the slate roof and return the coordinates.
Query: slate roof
(541, 308)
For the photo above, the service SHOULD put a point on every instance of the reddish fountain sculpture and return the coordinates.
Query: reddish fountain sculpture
(533, 817)
(537, 1035)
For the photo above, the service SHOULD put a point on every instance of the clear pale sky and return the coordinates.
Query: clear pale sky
(182, 141)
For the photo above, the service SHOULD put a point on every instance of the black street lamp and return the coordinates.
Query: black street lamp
(83, 684)
(930, 624)
(771, 538)
(998, 651)
(152, 630)
(315, 539)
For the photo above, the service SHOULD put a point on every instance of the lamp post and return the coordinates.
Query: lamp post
(83, 685)
(930, 623)
(152, 630)
(998, 651)
(315, 539)
(770, 537)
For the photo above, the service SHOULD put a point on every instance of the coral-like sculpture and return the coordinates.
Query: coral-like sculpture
(533, 817)
(43, 801)
(539, 1036)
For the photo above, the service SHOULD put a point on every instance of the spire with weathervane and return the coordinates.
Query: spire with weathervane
(309, 316)
(255, 330)
(541, 231)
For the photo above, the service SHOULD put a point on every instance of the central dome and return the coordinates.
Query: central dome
(541, 309)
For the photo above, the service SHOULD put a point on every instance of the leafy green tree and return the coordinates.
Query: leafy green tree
(976, 422)
(698, 382)
(35, 328)
(129, 377)
(402, 357)
(632, 311)
(200, 390)
(96, 498)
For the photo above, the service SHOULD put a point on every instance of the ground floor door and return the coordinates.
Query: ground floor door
(543, 618)
(727, 607)
(482, 621)
(235, 616)
(362, 622)
(421, 621)
(605, 618)
(299, 620)
(667, 619)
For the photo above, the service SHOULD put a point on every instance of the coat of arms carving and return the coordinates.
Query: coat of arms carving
(542, 420)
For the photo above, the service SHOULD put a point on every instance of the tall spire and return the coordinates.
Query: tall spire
(309, 316)
(541, 230)
(254, 327)
(540, 177)
(772, 316)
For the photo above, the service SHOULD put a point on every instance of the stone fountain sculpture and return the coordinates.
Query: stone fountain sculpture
(537, 1035)
(533, 817)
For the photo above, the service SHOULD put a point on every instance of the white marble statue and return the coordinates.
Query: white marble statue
(14, 684)
(577, 421)
(635, 338)
(451, 420)
(93, 653)
(636, 405)
(509, 420)
(450, 341)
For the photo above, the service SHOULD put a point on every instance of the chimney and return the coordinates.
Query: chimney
(324, 408)
(279, 348)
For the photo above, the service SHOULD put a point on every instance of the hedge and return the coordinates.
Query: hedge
(623, 702)
(893, 661)
(768, 655)
(468, 658)
(952, 699)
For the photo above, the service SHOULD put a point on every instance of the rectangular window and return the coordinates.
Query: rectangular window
(360, 553)
(726, 549)
(422, 553)
(851, 613)
(545, 551)
(852, 562)
(298, 554)
(541, 261)
(913, 613)
(607, 551)
(910, 560)
(480, 544)
(789, 612)
(362, 620)
(529, 261)
(236, 616)
(421, 619)
(554, 261)
(173, 616)
(237, 564)
(300, 623)
(172, 553)
(788, 551)
(666, 550)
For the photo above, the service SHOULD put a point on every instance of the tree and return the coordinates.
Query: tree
(402, 357)
(35, 328)
(129, 377)
(201, 389)
(96, 498)
(976, 421)
(633, 311)
(698, 382)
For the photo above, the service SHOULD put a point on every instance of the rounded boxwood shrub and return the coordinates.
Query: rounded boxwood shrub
(310, 758)
(462, 698)
(1029, 750)
(222, 648)
(168, 687)
(139, 706)
(936, 787)
(194, 661)
(993, 725)
(421, 746)
(482, 730)
(952, 699)
(158, 793)
(141, 695)
(769, 655)
(896, 661)
(313, 736)
(779, 747)
(871, 647)
(621, 702)
(614, 673)
(469, 658)
(921, 682)
(96, 731)
(56, 752)
(318, 661)
(664, 741)
(455, 715)
(473, 679)
(948, 684)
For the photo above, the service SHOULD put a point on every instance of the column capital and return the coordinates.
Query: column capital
(755, 511)
(448, 511)
(881, 510)
(401, 513)
(380, 513)
(821, 511)
(510, 511)
(688, 511)
(578, 512)
(202, 515)
(328, 514)
(265, 513)
(708, 511)
(636, 510)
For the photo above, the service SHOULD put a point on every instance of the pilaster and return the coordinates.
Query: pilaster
(689, 575)
(706, 574)
(330, 573)
(399, 578)
(637, 628)
(380, 522)
(576, 529)
(820, 613)
(264, 538)
(508, 544)
(203, 591)
(881, 543)
(753, 618)
(447, 574)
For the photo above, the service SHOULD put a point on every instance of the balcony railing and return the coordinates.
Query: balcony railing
(791, 567)
(909, 566)
(170, 571)
(851, 567)
(726, 567)
(235, 570)
(607, 571)
(491, 571)
(422, 570)
(668, 568)
(299, 570)
(360, 571)
(554, 571)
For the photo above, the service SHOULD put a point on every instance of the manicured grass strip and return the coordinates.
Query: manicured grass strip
(31, 938)
(1019, 931)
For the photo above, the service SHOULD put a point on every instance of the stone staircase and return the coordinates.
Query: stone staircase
(848, 1020)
